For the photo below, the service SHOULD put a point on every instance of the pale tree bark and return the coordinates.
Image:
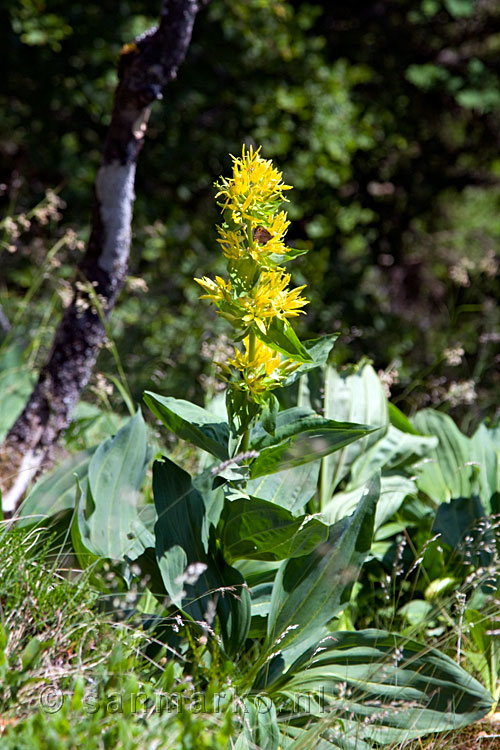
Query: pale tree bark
(144, 68)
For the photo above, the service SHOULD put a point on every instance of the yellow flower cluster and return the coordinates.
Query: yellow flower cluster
(249, 201)
(252, 239)
(269, 298)
(261, 370)
(255, 187)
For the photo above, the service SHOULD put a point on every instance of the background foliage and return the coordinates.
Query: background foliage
(383, 115)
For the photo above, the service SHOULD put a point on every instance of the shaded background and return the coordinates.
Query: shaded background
(384, 116)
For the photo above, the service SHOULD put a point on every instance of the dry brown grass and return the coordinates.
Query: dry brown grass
(483, 735)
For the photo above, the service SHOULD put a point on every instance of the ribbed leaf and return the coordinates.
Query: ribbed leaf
(297, 738)
(16, 383)
(291, 488)
(394, 450)
(181, 541)
(260, 726)
(356, 397)
(448, 471)
(79, 530)
(459, 519)
(308, 592)
(393, 689)
(257, 530)
(191, 422)
(115, 475)
(56, 491)
(281, 336)
(300, 436)
(486, 455)
(393, 490)
(261, 599)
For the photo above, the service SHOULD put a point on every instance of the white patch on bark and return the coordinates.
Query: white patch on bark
(115, 193)
(141, 124)
(29, 466)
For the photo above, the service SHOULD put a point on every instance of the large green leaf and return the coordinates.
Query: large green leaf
(191, 422)
(260, 725)
(292, 422)
(115, 475)
(394, 450)
(213, 500)
(179, 536)
(16, 383)
(258, 530)
(181, 542)
(385, 687)
(348, 397)
(486, 455)
(281, 337)
(261, 599)
(393, 490)
(291, 488)
(344, 738)
(494, 434)
(301, 436)
(56, 491)
(457, 521)
(485, 658)
(79, 529)
(448, 471)
(308, 592)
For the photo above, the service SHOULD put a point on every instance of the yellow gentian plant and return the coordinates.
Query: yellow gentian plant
(256, 298)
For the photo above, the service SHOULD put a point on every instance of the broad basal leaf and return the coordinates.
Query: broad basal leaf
(393, 490)
(394, 450)
(195, 577)
(260, 725)
(458, 523)
(16, 383)
(115, 475)
(190, 422)
(319, 737)
(352, 397)
(486, 456)
(448, 471)
(56, 491)
(385, 687)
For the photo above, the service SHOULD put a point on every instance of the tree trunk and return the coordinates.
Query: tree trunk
(144, 68)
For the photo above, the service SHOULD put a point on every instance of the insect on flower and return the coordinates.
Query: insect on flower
(261, 235)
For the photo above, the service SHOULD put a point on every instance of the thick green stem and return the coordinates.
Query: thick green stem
(245, 441)
(252, 341)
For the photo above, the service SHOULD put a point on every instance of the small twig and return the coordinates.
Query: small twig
(238, 459)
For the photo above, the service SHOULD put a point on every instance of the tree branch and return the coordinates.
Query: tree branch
(144, 68)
